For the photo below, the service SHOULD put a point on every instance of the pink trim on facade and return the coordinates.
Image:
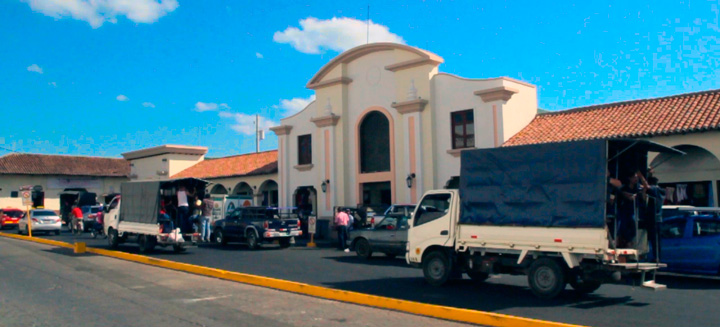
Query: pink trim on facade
(495, 125)
(375, 177)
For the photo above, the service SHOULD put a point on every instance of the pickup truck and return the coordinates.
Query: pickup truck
(255, 226)
(538, 210)
(137, 215)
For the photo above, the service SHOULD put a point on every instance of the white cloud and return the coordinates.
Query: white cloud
(337, 34)
(97, 12)
(294, 105)
(53, 84)
(259, 55)
(245, 124)
(35, 69)
(210, 106)
(148, 105)
(122, 98)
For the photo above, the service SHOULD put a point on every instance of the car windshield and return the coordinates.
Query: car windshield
(43, 213)
(13, 213)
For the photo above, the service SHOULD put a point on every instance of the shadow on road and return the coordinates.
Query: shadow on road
(689, 283)
(373, 261)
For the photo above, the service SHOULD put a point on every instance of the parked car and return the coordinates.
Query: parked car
(389, 236)
(10, 217)
(255, 226)
(89, 215)
(43, 221)
(691, 243)
(399, 209)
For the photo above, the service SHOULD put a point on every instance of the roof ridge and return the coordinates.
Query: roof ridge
(626, 102)
(58, 155)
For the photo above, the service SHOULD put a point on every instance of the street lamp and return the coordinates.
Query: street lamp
(409, 179)
(325, 185)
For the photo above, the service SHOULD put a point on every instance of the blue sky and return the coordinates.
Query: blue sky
(107, 77)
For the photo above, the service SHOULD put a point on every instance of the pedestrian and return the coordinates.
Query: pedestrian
(77, 217)
(207, 207)
(341, 222)
(184, 208)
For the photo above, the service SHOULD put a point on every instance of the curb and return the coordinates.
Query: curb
(423, 309)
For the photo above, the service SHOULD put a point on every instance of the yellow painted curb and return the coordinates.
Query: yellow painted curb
(424, 309)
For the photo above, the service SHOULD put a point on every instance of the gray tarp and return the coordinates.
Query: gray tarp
(545, 185)
(140, 202)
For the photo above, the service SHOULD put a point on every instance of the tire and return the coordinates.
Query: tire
(583, 286)
(252, 239)
(547, 278)
(390, 255)
(363, 249)
(144, 244)
(478, 276)
(285, 243)
(219, 237)
(179, 248)
(113, 239)
(436, 268)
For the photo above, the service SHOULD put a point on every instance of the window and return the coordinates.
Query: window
(463, 129)
(673, 229)
(706, 228)
(374, 143)
(304, 149)
(432, 207)
(13, 194)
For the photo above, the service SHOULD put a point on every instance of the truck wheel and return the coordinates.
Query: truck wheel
(362, 248)
(546, 278)
(285, 243)
(220, 237)
(583, 286)
(252, 240)
(112, 237)
(478, 276)
(145, 243)
(436, 268)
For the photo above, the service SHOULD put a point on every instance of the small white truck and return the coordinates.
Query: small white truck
(146, 212)
(541, 211)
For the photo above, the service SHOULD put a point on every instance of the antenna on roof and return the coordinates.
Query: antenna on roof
(368, 26)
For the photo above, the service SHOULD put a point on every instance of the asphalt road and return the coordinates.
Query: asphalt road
(47, 286)
(688, 301)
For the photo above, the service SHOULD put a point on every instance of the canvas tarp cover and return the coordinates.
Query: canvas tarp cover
(140, 202)
(545, 185)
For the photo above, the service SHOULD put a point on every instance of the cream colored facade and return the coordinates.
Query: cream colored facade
(258, 186)
(162, 161)
(403, 84)
(52, 185)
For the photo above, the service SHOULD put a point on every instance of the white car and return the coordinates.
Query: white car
(43, 221)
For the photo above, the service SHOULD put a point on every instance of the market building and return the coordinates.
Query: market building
(688, 122)
(388, 126)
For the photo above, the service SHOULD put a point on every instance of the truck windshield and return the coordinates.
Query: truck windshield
(433, 206)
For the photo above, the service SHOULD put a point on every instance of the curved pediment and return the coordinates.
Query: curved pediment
(423, 57)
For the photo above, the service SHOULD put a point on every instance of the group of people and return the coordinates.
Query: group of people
(636, 203)
(188, 201)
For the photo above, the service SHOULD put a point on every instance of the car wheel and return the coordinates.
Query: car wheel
(252, 240)
(362, 248)
(546, 278)
(436, 268)
(220, 237)
(113, 240)
(478, 276)
(285, 243)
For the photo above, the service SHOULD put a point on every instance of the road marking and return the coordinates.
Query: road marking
(205, 299)
(430, 310)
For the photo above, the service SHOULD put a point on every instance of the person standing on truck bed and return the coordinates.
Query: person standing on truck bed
(632, 195)
(183, 208)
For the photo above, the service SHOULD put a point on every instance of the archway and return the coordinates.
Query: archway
(375, 150)
(690, 179)
(242, 188)
(374, 143)
(268, 193)
(218, 189)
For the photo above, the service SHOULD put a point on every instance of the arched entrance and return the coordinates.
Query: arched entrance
(375, 151)
(242, 188)
(268, 193)
(690, 179)
(218, 189)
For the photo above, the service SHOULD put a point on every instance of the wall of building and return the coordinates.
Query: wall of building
(52, 185)
(154, 168)
(257, 183)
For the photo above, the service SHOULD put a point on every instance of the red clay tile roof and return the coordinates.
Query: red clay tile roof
(240, 165)
(684, 113)
(43, 164)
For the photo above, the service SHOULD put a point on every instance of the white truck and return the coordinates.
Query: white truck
(146, 212)
(539, 210)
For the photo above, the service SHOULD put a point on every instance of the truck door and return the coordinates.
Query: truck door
(703, 246)
(672, 243)
(431, 223)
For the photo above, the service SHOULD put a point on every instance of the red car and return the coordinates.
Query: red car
(10, 217)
